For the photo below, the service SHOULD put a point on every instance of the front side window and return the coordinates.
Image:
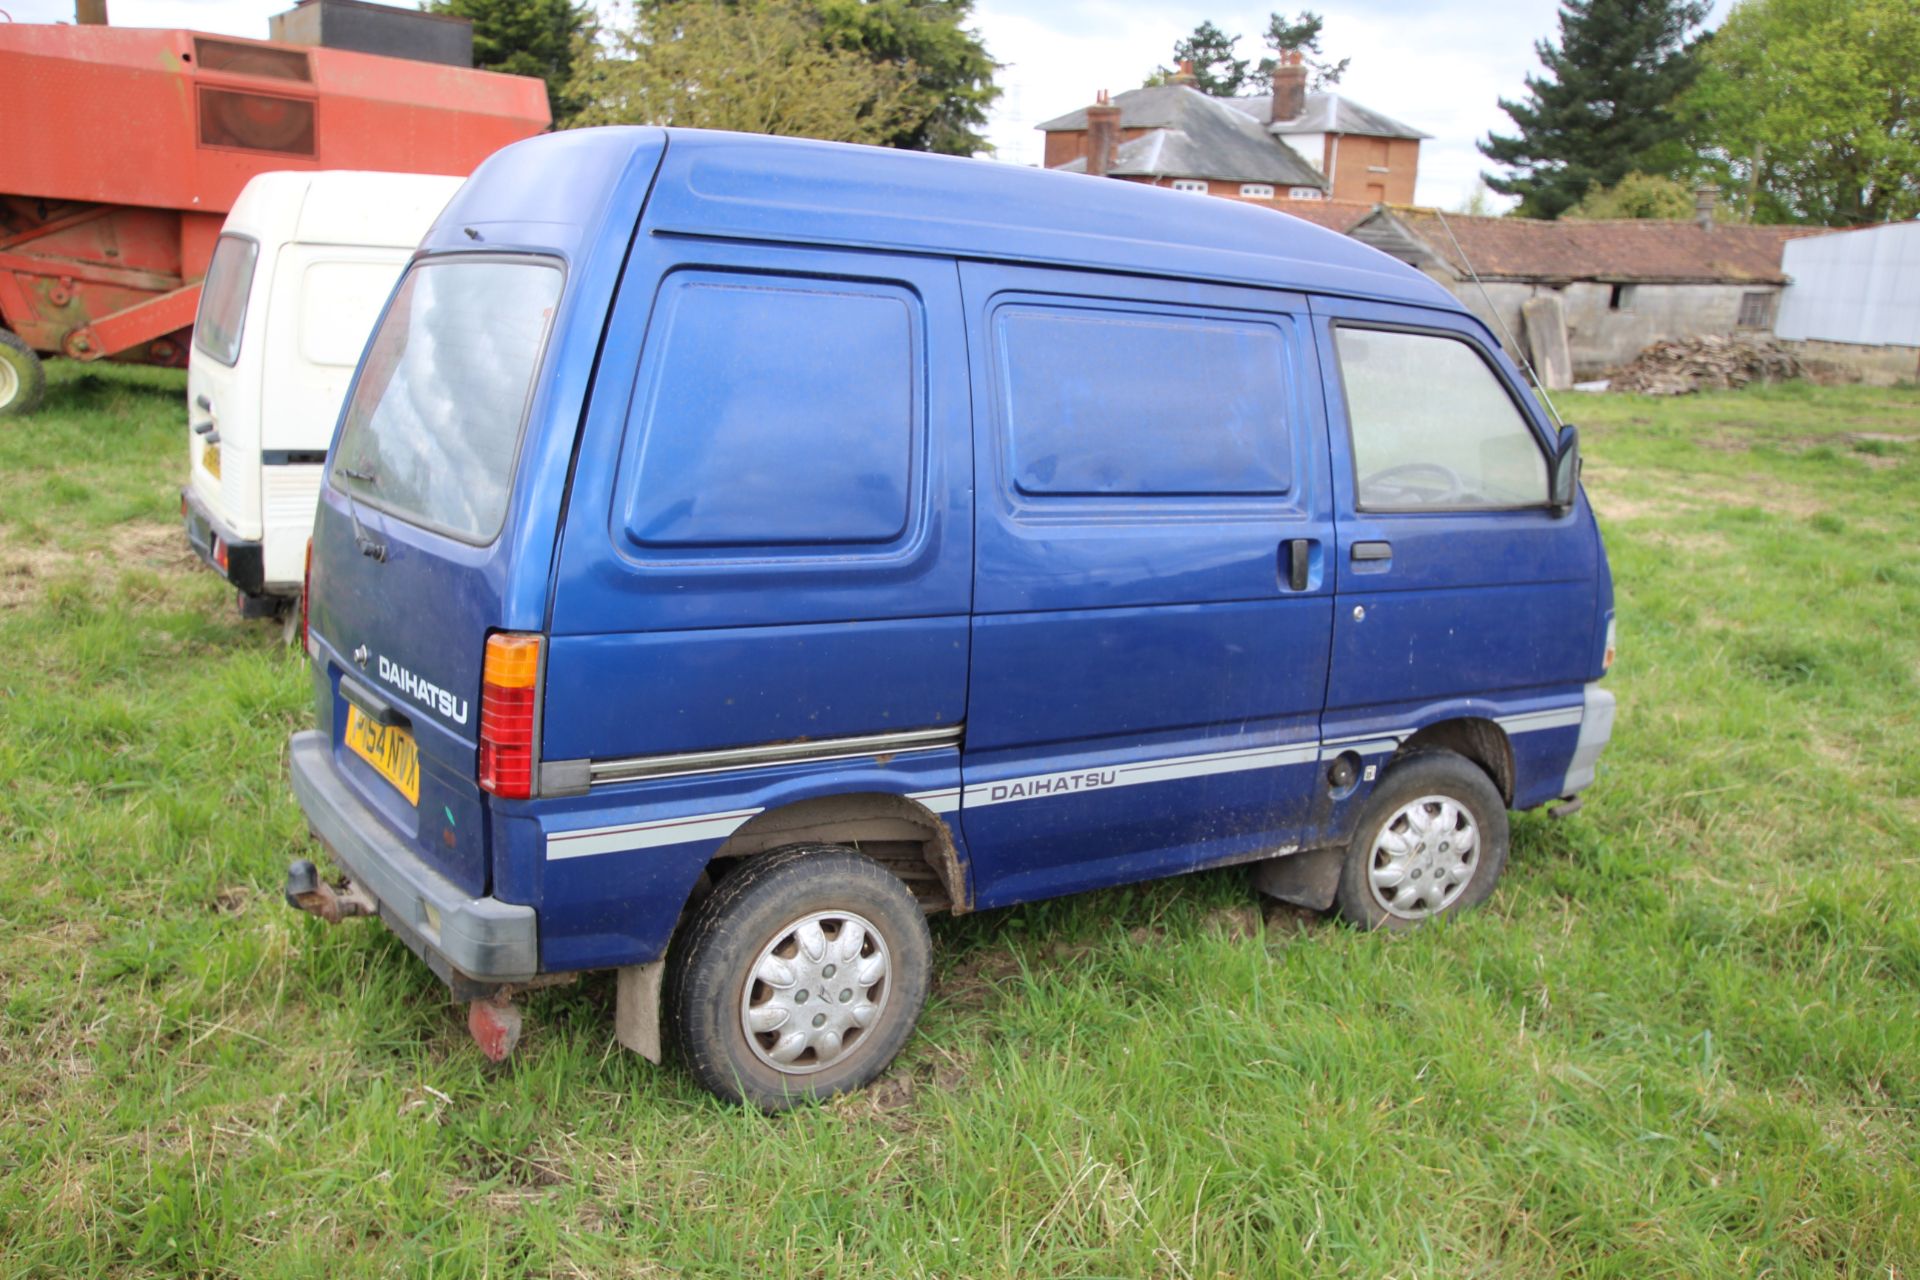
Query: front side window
(434, 424)
(1433, 427)
(223, 298)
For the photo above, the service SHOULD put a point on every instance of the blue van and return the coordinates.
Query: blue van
(735, 549)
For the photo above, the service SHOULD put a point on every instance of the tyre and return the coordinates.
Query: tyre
(800, 977)
(1431, 842)
(23, 380)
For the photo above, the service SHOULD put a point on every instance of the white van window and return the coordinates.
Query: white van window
(339, 301)
(1433, 427)
(1135, 403)
(780, 413)
(223, 298)
(431, 432)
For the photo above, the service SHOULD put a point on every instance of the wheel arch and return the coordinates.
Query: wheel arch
(1478, 739)
(898, 832)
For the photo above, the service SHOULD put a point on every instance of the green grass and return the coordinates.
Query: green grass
(1683, 1039)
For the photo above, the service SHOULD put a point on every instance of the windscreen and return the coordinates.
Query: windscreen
(223, 298)
(434, 423)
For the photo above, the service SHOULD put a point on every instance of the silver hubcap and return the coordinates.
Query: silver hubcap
(9, 384)
(1423, 857)
(815, 991)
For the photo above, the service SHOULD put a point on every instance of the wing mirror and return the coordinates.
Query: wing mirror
(1563, 481)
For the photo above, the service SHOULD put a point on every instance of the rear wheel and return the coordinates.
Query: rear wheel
(23, 380)
(800, 977)
(1431, 843)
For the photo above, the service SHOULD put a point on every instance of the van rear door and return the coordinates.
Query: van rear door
(410, 568)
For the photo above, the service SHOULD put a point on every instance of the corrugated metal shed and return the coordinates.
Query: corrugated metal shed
(1855, 286)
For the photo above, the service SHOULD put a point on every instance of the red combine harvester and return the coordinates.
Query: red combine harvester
(106, 228)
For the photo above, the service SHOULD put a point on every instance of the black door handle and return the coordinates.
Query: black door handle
(1372, 551)
(1296, 552)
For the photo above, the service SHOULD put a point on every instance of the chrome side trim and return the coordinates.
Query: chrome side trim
(600, 772)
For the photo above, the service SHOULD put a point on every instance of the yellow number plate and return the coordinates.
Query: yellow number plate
(391, 751)
(210, 459)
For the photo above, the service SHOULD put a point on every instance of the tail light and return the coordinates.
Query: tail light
(506, 714)
(306, 594)
(1606, 659)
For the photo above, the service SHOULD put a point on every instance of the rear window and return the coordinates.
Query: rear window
(223, 298)
(431, 432)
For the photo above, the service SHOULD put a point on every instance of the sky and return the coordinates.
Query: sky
(1441, 69)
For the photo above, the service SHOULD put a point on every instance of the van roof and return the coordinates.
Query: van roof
(750, 186)
(341, 206)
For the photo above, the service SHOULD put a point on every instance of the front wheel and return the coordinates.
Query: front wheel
(800, 977)
(23, 380)
(1431, 842)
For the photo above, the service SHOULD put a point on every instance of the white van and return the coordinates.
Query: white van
(302, 268)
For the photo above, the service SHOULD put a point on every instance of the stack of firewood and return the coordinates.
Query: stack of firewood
(1684, 365)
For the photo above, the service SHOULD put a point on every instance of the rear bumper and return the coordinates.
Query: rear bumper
(246, 566)
(1596, 730)
(458, 935)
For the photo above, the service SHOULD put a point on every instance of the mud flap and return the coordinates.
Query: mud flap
(1307, 879)
(636, 1010)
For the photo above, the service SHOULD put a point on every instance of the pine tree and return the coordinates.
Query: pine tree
(1604, 109)
(1215, 70)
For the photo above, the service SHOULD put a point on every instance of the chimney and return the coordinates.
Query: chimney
(1705, 196)
(1185, 74)
(90, 13)
(1103, 132)
(1289, 88)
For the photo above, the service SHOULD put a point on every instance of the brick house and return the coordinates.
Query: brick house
(1286, 147)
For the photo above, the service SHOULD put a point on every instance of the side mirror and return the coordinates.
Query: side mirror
(1563, 477)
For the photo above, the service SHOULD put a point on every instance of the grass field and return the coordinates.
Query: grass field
(1683, 1039)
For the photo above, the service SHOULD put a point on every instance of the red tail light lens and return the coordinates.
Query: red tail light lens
(506, 714)
(306, 592)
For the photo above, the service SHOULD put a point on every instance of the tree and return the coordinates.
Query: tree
(1605, 107)
(951, 70)
(1215, 70)
(1809, 110)
(1218, 72)
(527, 38)
(1638, 195)
(759, 66)
(1302, 36)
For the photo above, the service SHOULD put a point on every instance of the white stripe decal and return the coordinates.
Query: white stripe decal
(646, 835)
(717, 826)
(1130, 775)
(1557, 718)
(947, 801)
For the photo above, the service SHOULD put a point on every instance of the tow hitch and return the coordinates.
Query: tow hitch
(306, 891)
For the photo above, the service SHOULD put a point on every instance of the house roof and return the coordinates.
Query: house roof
(1193, 136)
(1628, 250)
(1327, 112)
(1335, 215)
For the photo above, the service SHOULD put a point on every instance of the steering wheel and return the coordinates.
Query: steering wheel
(1414, 484)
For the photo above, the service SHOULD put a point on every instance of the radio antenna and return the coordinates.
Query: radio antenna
(1540, 388)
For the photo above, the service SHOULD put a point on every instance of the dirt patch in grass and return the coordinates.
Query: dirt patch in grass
(144, 545)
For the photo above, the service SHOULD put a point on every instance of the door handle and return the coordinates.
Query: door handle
(1296, 552)
(1372, 551)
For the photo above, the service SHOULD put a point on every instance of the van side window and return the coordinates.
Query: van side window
(1132, 404)
(777, 413)
(1433, 427)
